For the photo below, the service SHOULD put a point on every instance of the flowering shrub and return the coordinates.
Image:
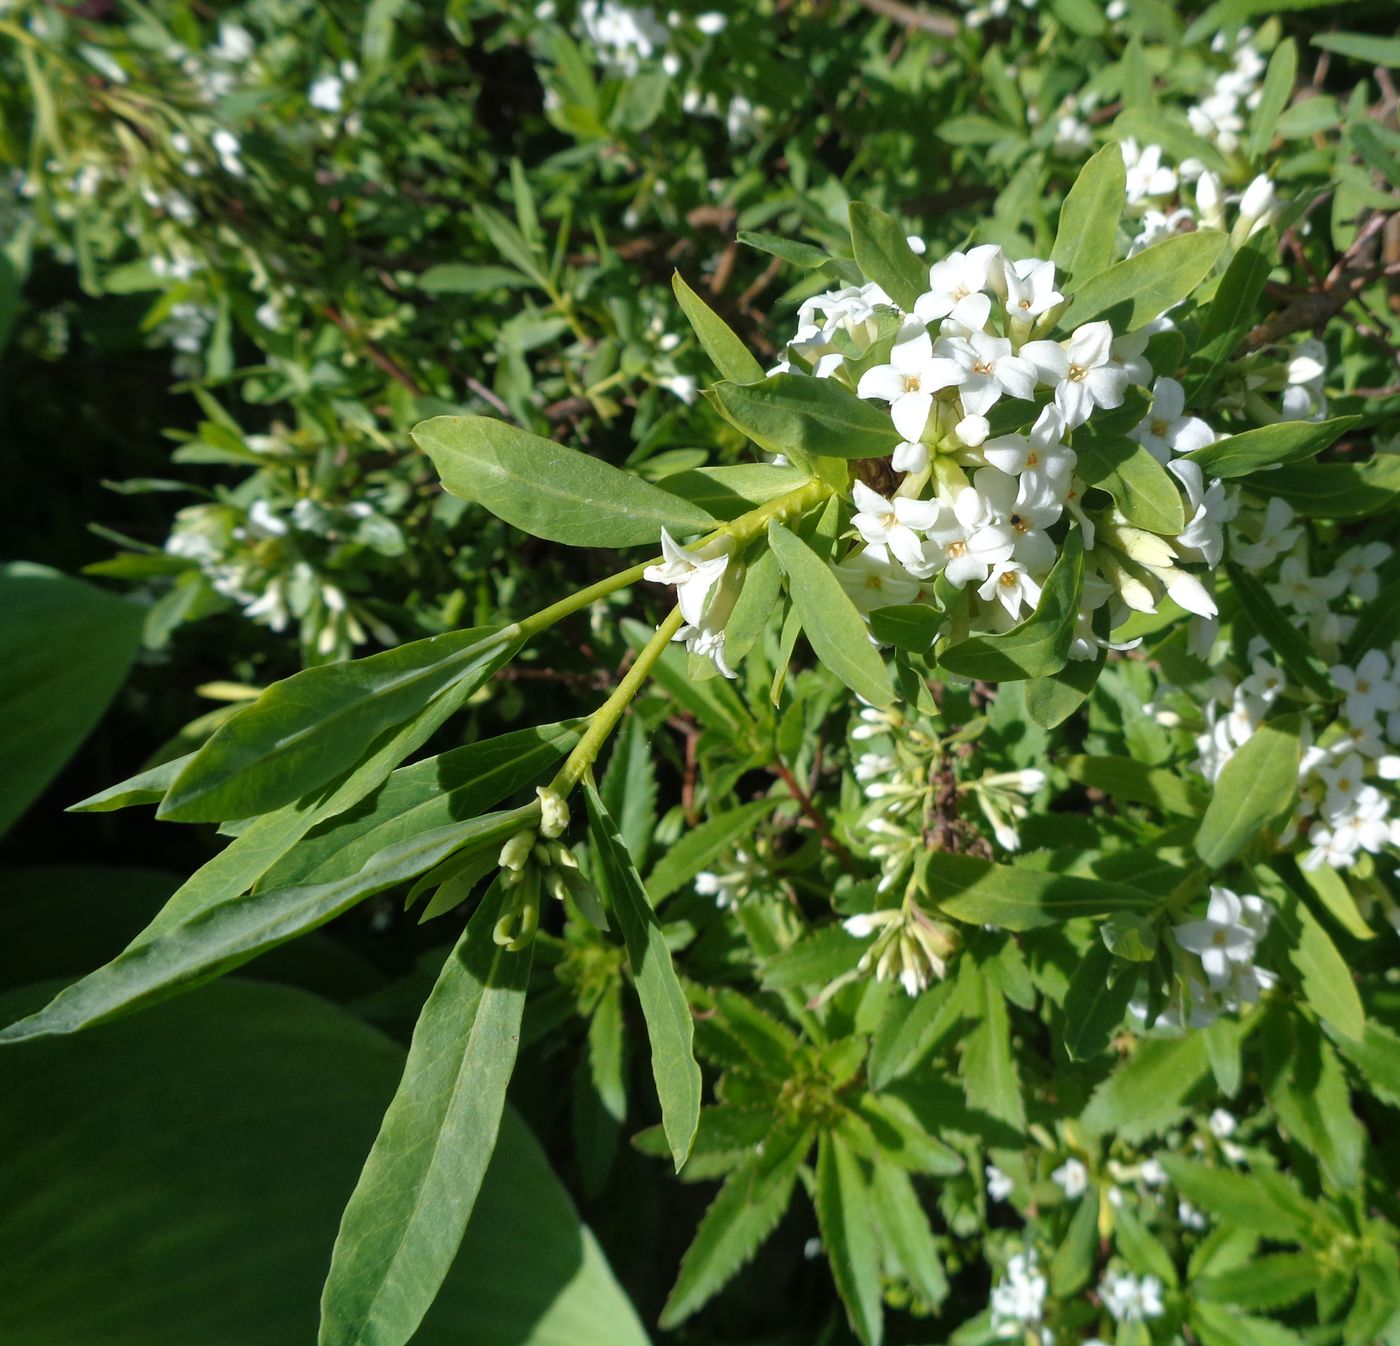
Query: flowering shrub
(885, 703)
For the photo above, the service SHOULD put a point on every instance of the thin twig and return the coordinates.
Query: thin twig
(490, 398)
(925, 20)
(846, 860)
(376, 355)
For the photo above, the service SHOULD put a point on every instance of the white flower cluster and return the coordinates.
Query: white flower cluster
(1018, 1298)
(1224, 943)
(1129, 1298)
(975, 511)
(1345, 784)
(1220, 116)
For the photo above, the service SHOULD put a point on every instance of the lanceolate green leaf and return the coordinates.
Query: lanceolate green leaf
(1052, 699)
(1287, 442)
(1257, 784)
(795, 414)
(1285, 640)
(833, 626)
(1263, 1201)
(145, 787)
(904, 1232)
(729, 355)
(1229, 315)
(883, 253)
(1135, 291)
(664, 1006)
(549, 490)
(727, 492)
(846, 1218)
(702, 845)
(1144, 491)
(1273, 98)
(990, 1078)
(1096, 1002)
(226, 934)
(983, 893)
(306, 730)
(1132, 782)
(410, 1208)
(1039, 645)
(1084, 242)
(1336, 490)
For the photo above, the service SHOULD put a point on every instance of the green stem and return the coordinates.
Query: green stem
(546, 617)
(604, 720)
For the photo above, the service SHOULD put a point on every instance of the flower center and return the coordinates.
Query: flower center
(1008, 579)
(956, 549)
(911, 383)
(1159, 428)
(1077, 373)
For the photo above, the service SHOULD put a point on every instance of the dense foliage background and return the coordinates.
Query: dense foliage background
(247, 249)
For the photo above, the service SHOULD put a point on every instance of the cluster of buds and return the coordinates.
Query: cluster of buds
(910, 946)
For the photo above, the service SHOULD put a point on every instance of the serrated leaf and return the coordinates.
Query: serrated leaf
(830, 620)
(1141, 288)
(410, 1207)
(1273, 1281)
(702, 845)
(670, 1028)
(1263, 1201)
(628, 789)
(1150, 1091)
(1256, 786)
(726, 351)
(989, 1076)
(304, 731)
(1086, 239)
(904, 1233)
(549, 490)
(847, 1223)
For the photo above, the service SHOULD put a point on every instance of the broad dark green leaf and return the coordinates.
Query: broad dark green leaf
(1133, 782)
(550, 490)
(1151, 1091)
(727, 492)
(65, 648)
(847, 1221)
(882, 251)
(1039, 646)
(1336, 490)
(833, 626)
(983, 893)
(989, 1075)
(670, 1027)
(1133, 292)
(1229, 315)
(1292, 647)
(1146, 494)
(1256, 786)
(1096, 1002)
(1051, 700)
(226, 934)
(814, 960)
(904, 1233)
(1287, 442)
(726, 351)
(745, 1212)
(306, 730)
(906, 626)
(128, 1227)
(1086, 239)
(410, 1208)
(796, 414)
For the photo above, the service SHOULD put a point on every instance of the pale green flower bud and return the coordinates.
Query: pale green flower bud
(554, 812)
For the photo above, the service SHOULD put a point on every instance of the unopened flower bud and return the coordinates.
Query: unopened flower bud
(554, 812)
(516, 852)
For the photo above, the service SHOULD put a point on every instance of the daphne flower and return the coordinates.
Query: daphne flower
(872, 580)
(694, 573)
(1083, 371)
(1166, 429)
(966, 541)
(1072, 1178)
(893, 524)
(1030, 289)
(910, 380)
(1221, 939)
(955, 286)
(989, 369)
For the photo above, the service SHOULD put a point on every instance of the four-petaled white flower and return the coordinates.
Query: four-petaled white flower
(1166, 429)
(893, 524)
(910, 380)
(1083, 370)
(1221, 940)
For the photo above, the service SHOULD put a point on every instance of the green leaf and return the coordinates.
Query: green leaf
(460, 278)
(990, 1080)
(1284, 639)
(906, 626)
(664, 1007)
(745, 1212)
(797, 415)
(145, 787)
(226, 934)
(983, 893)
(549, 490)
(1230, 315)
(1139, 289)
(1312, 1099)
(1287, 442)
(1256, 786)
(726, 351)
(1086, 239)
(1074, 1259)
(754, 608)
(1127, 781)
(1262, 1200)
(1273, 1281)
(847, 1222)
(1216, 1325)
(1274, 94)
(1376, 1054)
(804, 255)
(1149, 1092)
(92, 1161)
(829, 618)
(813, 960)
(510, 243)
(410, 1208)
(1096, 1001)
(1039, 646)
(702, 845)
(1146, 494)
(1052, 699)
(628, 789)
(1336, 490)
(1143, 1252)
(727, 492)
(65, 648)
(1369, 48)
(1080, 16)
(882, 252)
(304, 731)
(904, 1233)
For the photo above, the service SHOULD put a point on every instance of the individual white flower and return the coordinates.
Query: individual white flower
(909, 456)
(1042, 451)
(1018, 1298)
(1221, 939)
(1083, 371)
(227, 147)
(989, 369)
(908, 383)
(999, 1186)
(326, 93)
(966, 541)
(1072, 1178)
(873, 580)
(1166, 429)
(1029, 507)
(1222, 1125)
(693, 573)
(1011, 585)
(1359, 565)
(1256, 205)
(1147, 175)
(956, 284)
(1153, 1174)
(1206, 514)
(1369, 687)
(892, 523)
(1274, 534)
(1303, 592)
(1030, 289)
(1190, 1217)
